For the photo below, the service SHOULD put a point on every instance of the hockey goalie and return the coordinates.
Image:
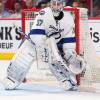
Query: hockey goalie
(47, 42)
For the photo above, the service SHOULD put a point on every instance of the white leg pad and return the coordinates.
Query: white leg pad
(20, 65)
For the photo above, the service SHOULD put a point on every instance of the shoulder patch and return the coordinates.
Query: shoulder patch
(42, 12)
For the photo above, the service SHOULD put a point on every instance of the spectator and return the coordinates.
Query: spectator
(29, 4)
(9, 5)
(48, 3)
(43, 3)
(35, 3)
(17, 10)
(3, 13)
(22, 3)
(81, 3)
(69, 2)
(75, 4)
(96, 8)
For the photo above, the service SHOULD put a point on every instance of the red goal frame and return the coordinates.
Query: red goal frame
(77, 27)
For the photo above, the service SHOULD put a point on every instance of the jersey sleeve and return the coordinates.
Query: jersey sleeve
(39, 24)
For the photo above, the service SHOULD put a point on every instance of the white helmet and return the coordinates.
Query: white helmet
(57, 6)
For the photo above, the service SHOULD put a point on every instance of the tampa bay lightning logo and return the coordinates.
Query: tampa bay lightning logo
(55, 32)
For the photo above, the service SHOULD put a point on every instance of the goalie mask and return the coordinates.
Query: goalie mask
(57, 7)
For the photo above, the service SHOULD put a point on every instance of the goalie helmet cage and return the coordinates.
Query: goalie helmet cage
(84, 45)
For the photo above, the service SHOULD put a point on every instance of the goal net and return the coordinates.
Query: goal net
(83, 46)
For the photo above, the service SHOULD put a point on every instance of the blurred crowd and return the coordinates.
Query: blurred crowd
(12, 8)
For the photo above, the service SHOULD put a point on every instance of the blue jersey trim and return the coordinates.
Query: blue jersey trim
(37, 32)
(66, 40)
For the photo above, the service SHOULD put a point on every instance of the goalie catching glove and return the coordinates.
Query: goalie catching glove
(75, 62)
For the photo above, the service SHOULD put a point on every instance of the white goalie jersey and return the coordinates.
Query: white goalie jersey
(59, 29)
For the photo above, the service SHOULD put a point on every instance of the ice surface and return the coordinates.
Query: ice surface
(42, 92)
(38, 90)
